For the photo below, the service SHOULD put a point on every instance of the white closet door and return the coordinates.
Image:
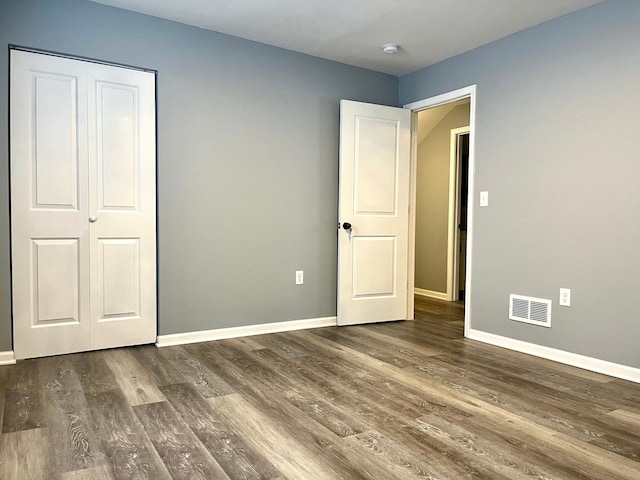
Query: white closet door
(82, 145)
(123, 205)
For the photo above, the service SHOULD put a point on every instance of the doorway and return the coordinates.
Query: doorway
(460, 154)
(440, 199)
(454, 177)
(387, 156)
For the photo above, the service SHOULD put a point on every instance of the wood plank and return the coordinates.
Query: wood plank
(133, 379)
(232, 452)
(249, 343)
(182, 453)
(564, 412)
(192, 370)
(546, 367)
(346, 336)
(25, 455)
(262, 397)
(93, 372)
(161, 372)
(96, 473)
(569, 380)
(278, 344)
(398, 460)
(297, 450)
(473, 441)
(392, 343)
(4, 370)
(396, 398)
(629, 418)
(326, 404)
(124, 442)
(389, 413)
(626, 392)
(597, 461)
(74, 444)
(380, 346)
(292, 387)
(433, 334)
(393, 410)
(23, 405)
(264, 434)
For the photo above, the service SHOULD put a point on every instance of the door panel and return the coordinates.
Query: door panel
(119, 274)
(374, 264)
(56, 294)
(67, 116)
(374, 199)
(55, 173)
(117, 146)
(375, 166)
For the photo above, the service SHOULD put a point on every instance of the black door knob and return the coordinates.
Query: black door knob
(346, 226)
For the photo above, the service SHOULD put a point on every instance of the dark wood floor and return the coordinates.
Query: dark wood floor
(388, 401)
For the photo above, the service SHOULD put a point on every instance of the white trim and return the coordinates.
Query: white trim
(7, 358)
(244, 331)
(453, 235)
(430, 293)
(588, 363)
(411, 247)
(442, 99)
(459, 94)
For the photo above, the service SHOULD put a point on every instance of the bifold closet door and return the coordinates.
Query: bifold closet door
(82, 205)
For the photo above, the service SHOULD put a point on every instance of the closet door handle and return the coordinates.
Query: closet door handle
(93, 219)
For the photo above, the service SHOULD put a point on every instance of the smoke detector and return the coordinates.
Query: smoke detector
(390, 48)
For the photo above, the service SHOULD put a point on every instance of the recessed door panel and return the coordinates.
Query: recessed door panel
(376, 164)
(55, 267)
(118, 159)
(120, 277)
(55, 151)
(374, 265)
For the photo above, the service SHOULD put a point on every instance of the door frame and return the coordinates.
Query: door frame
(453, 250)
(415, 107)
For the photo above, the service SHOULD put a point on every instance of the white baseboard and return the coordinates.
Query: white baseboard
(430, 293)
(7, 358)
(245, 331)
(588, 363)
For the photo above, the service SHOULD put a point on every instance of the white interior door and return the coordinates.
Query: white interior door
(82, 205)
(374, 202)
(49, 213)
(122, 202)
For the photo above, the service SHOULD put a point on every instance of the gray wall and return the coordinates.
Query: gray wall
(557, 148)
(247, 160)
(432, 201)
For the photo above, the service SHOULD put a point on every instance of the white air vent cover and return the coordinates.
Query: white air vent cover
(530, 310)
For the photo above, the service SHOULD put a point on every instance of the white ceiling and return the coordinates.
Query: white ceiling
(353, 31)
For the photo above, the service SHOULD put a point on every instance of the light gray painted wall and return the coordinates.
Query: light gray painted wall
(247, 160)
(432, 201)
(557, 148)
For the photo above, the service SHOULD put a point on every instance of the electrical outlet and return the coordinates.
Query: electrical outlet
(299, 277)
(565, 297)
